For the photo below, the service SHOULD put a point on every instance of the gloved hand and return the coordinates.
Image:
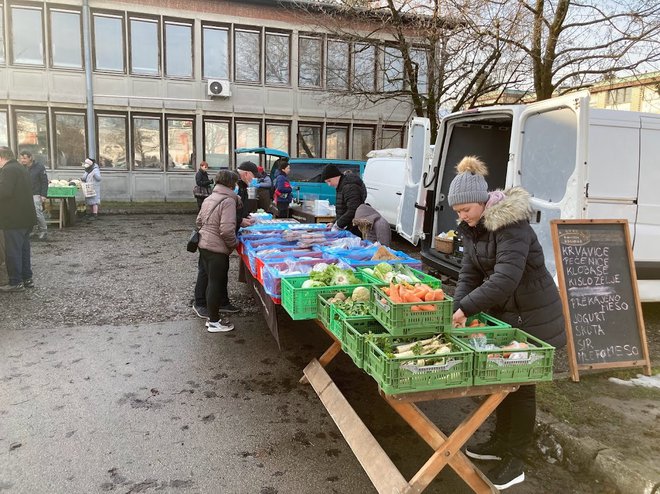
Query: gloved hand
(335, 228)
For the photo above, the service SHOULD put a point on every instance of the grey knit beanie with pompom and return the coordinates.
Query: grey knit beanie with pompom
(469, 185)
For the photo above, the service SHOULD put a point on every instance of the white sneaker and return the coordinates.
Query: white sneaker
(219, 327)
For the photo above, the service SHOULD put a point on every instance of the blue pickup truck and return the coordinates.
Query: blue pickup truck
(305, 174)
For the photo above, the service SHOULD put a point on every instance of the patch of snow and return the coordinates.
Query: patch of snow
(640, 380)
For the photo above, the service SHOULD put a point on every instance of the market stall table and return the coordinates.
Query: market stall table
(382, 472)
(66, 197)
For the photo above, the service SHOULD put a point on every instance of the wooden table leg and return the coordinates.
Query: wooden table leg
(449, 448)
(435, 438)
(326, 358)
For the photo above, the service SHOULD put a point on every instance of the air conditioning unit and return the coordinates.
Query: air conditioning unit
(218, 88)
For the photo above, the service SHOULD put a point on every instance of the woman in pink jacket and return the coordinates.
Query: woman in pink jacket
(217, 239)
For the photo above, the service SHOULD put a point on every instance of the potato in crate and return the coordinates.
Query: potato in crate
(417, 363)
(405, 309)
(508, 355)
(333, 309)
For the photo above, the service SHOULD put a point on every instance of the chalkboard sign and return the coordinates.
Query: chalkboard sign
(598, 286)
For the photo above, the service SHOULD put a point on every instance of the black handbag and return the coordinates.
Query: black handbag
(193, 241)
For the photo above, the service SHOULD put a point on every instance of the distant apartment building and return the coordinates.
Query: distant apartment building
(150, 88)
(640, 93)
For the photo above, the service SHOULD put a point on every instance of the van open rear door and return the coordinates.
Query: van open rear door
(550, 161)
(413, 199)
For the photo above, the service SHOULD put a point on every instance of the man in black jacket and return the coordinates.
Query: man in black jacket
(39, 179)
(17, 217)
(351, 192)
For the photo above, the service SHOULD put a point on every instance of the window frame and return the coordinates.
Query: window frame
(338, 126)
(280, 33)
(228, 30)
(14, 129)
(321, 39)
(10, 34)
(247, 121)
(178, 22)
(279, 123)
(374, 68)
(347, 68)
(359, 127)
(166, 131)
(401, 129)
(127, 140)
(72, 10)
(249, 29)
(3, 42)
(385, 79)
(321, 151)
(54, 112)
(230, 146)
(147, 116)
(130, 16)
(5, 110)
(116, 15)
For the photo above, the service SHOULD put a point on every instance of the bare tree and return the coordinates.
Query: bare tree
(569, 44)
(421, 53)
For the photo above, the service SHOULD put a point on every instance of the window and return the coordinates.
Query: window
(363, 142)
(4, 129)
(112, 148)
(277, 58)
(277, 136)
(619, 96)
(216, 143)
(180, 143)
(336, 143)
(419, 59)
(70, 142)
(309, 61)
(146, 143)
(215, 53)
(248, 135)
(65, 39)
(247, 56)
(392, 138)
(364, 67)
(309, 141)
(27, 38)
(650, 99)
(2, 34)
(337, 66)
(32, 134)
(392, 70)
(178, 49)
(108, 42)
(144, 46)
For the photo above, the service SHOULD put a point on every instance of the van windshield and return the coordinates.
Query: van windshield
(311, 172)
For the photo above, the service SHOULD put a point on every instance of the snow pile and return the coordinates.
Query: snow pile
(640, 380)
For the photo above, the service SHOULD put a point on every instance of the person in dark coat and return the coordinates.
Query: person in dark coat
(377, 227)
(17, 217)
(203, 184)
(39, 178)
(504, 274)
(351, 192)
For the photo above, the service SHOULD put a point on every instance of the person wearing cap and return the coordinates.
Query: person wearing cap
(247, 171)
(504, 274)
(351, 192)
(282, 195)
(39, 179)
(92, 175)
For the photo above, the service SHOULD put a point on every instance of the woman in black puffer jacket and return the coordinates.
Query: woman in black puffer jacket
(504, 274)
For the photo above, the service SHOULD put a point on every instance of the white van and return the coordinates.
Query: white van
(384, 172)
(576, 162)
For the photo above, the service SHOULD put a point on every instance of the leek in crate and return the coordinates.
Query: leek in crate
(398, 273)
(508, 355)
(417, 363)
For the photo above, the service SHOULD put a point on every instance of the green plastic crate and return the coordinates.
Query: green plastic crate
(489, 321)
(536, 367)
(62, 191)
(401, 320)
(425, 278)
(332, 316)
(301, 303)
(355, 331)
(402, 375)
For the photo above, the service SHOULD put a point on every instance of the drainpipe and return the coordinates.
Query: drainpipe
(87, 49)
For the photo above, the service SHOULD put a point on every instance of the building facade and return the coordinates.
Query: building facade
(641, 93)
(150, 88)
